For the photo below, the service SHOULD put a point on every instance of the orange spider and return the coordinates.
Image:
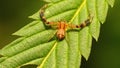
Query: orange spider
(62, 25)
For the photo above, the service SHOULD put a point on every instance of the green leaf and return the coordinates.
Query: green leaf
(111, 2)
(39, 51)
(38, 45)
(28, 42)
(102, 9)
(36, 26)
(53, 1)
(35, 16)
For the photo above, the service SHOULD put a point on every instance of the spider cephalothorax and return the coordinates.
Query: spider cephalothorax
(62, 25)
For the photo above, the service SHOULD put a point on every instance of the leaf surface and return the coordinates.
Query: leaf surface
(38, 45)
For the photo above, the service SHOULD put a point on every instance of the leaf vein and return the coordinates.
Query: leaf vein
(45, 59)
(77, 12)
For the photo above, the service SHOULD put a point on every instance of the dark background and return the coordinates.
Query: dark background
(105, 53)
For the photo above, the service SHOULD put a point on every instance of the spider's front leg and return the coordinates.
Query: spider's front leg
(83, 24)
(43, 18)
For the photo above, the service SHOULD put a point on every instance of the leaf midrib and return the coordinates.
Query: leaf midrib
(45, 59)
(74, 16)
(77, 12)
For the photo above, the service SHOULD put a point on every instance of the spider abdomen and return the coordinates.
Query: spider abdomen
(61, 34)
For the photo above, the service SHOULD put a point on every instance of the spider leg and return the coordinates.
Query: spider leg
(82, 25)
(85, 23)
(42, 16)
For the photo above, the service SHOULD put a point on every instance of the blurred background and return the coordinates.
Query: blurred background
(105, 53)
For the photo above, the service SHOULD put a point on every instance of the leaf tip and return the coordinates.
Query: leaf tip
(111, 2)
(16, 34)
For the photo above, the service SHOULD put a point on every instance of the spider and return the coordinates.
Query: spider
(62, 25)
